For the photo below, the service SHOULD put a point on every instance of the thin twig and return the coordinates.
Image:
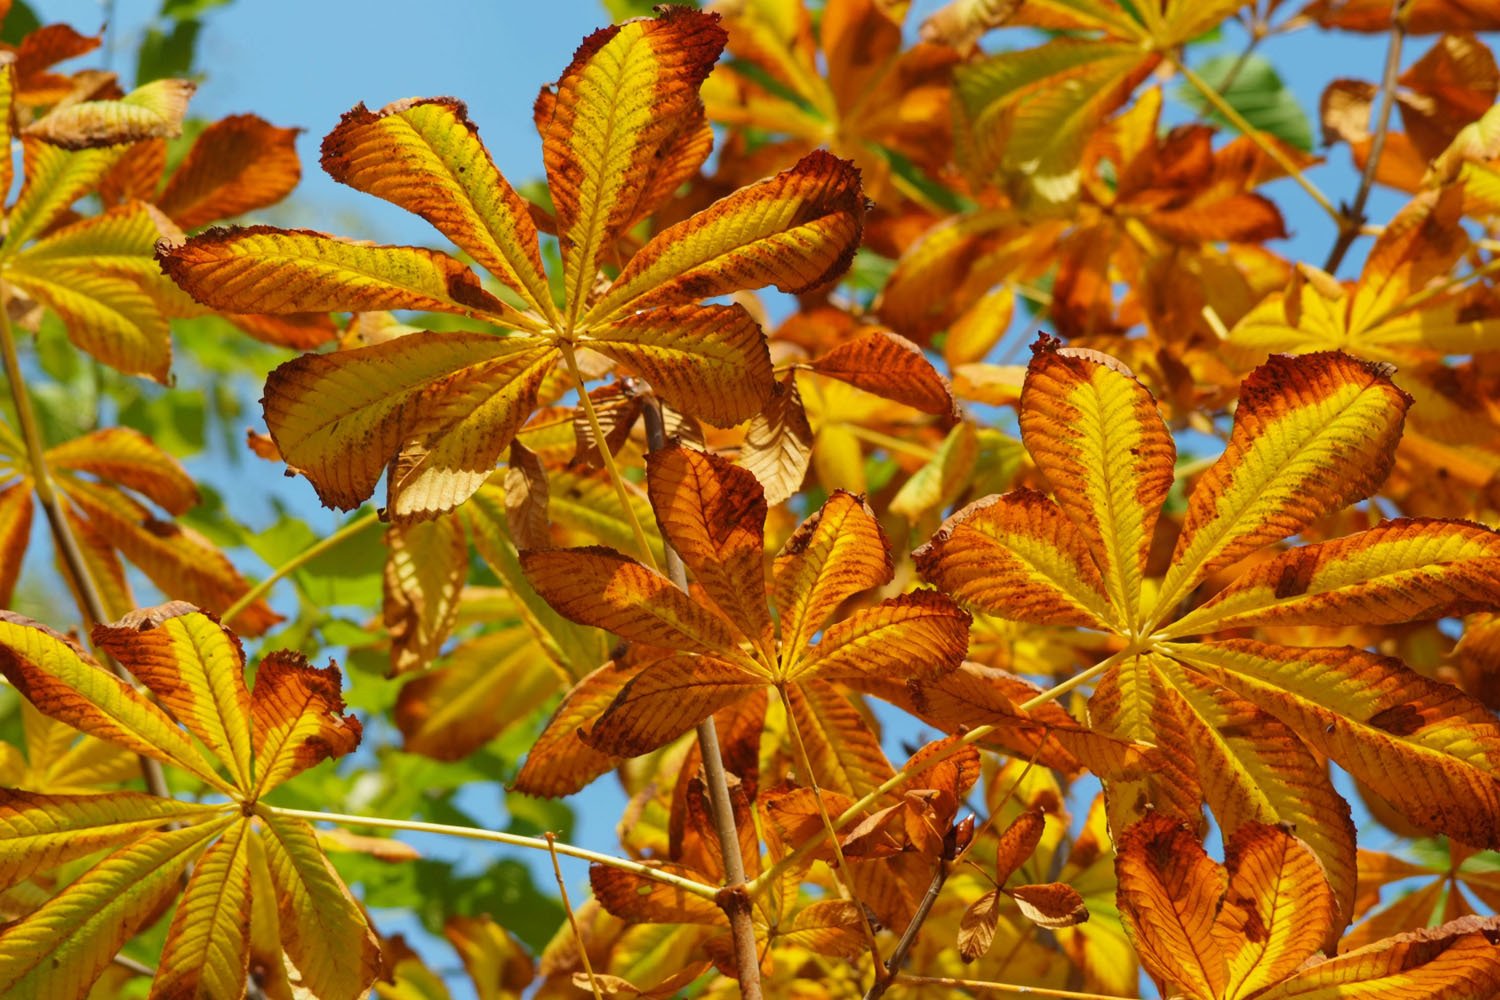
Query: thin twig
(699, 889)
(909, 937)
(1258, 33)
(1008, 988)
(1352, 219)
(734, 900)
(75, 566)
(351, 528)
(1254, 134)
(562, 888)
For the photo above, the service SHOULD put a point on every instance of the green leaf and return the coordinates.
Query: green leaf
(1257, 92)
(20, 22)
(167, 53)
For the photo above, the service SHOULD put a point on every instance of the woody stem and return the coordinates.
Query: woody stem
(734, 900)
(609, 458)
(1352, 220)
(75, 567)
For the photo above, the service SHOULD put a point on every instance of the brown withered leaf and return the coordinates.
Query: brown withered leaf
(1051, 905)
(779, 442)
(890, 366)
(526, 493)
(976, 929)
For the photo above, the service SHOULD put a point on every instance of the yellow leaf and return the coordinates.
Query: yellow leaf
(494, 960)
(176, 558)
(128, 457)
(710, 361)
(916, 636)
(152, 111)
(426, 566)
(425, 156)
(1019, 556)
(40, 832)
(842, 746)
(60, 680)
(559, 762)
(797, 231)
(323, 929)
(262, 269)
(1254, 768)
(603, 123)
(1455, 961)
(15, 534)
(1400, 571)
(1278, 911)
(55, 179)
(599, 587)
(296, 718)
(1096, 435)
(475, 693)
(779, 443)
(832, 556)
(1169, 896)
(714, 515)
(450, 402)
(641, 900)
(109, 317)
(1311, 435)
(58, 951)
(1429, 749)
(207, 954)
(667, 699)
(196, 669)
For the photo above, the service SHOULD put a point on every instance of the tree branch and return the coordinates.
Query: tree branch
(75, 567)
(735, 900)
(1352, 218)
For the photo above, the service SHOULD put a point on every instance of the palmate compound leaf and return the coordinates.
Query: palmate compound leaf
(103, 477)
(718, 645)
(1239, 723)
(441, 408)
(252, 741)
(1254, 926)
(95, 273)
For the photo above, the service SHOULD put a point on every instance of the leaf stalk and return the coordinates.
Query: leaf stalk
(687, 885)
(1254, 134)
(609, 459)
(1352, 220)
(350, 528)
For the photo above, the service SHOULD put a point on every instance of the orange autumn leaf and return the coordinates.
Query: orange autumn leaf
(1253, 927)
(713, 513)
(441, 408)
(1236, 721)
(253, 740)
